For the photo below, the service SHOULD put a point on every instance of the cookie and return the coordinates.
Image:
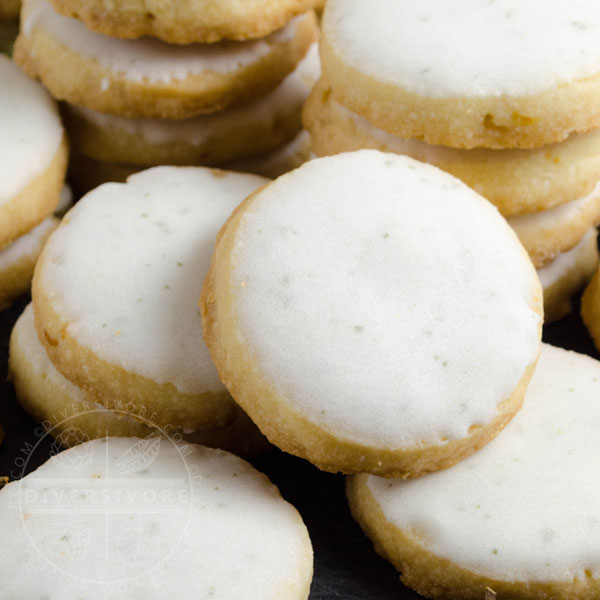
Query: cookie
(469, 74)
(280, 161)
(63, 407)
(146, 518)
(17, 261)
(383, 336)
(258, 127)
(9, 10)
(33, 153)
(190, 21)
(519, 516)
(119, 317)
(547, 233)
(147, 78)
(516, 181)
(567, 274)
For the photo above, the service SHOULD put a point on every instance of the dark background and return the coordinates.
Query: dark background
(346, 566)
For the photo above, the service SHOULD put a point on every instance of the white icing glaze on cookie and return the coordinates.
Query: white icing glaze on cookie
(30, 130)
(525, 507)
(292, 92)
(150, 59)
(132, 296)
(567, 261)
(545, 221)
(129, 518)
(471, 48)
(373, 310)
(28, 245)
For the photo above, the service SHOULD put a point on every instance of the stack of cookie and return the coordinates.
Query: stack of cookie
(118, 349)
(33, 160)
(202, 84)
(481, 93)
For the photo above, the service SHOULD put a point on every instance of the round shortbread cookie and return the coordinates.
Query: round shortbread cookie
(17, 261)
(516, 181)
(145, 518)
(119, 317)
(72, 416)
(255, 128)
(187, 21)
(519, 516)
(278, 162)
(147, 78)
(365, 328)
(33, 153)
(469, 74)
(547, 233)
(567, 274)
(9, 10)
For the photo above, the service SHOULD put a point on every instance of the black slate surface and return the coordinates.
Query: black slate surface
(346, 566)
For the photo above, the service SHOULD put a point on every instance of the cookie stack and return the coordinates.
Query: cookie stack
(112, 344)
(202, 84)
(481, 93)
(33, 160)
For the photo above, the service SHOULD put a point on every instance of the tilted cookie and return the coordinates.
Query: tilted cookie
(33, 153)
(468, 74)
(519, 516)
(119, 317)
(146, 518)
(188, 21)
(547, 233)
(148, 78)
(257, 127)
(516, 181)
(364, 327)
(17, 261)
(567, 274)
(72, 416)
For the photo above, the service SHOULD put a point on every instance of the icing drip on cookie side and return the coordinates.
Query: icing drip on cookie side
(148, 59)
(30, 130)
(472, 48)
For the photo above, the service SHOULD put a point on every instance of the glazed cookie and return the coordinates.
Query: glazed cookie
(71, 416)
(188, 21)
(120, 318)
(33, 153)
(147, 518)
(148, 78)
(468, 74)
(258, 127)
(384, 336)
(17, 261)
(278, 162)
(516, 181)
(567, 274)
(547, 233)
(519, 516)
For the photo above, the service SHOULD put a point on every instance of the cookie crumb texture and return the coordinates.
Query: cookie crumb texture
(348, 300)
